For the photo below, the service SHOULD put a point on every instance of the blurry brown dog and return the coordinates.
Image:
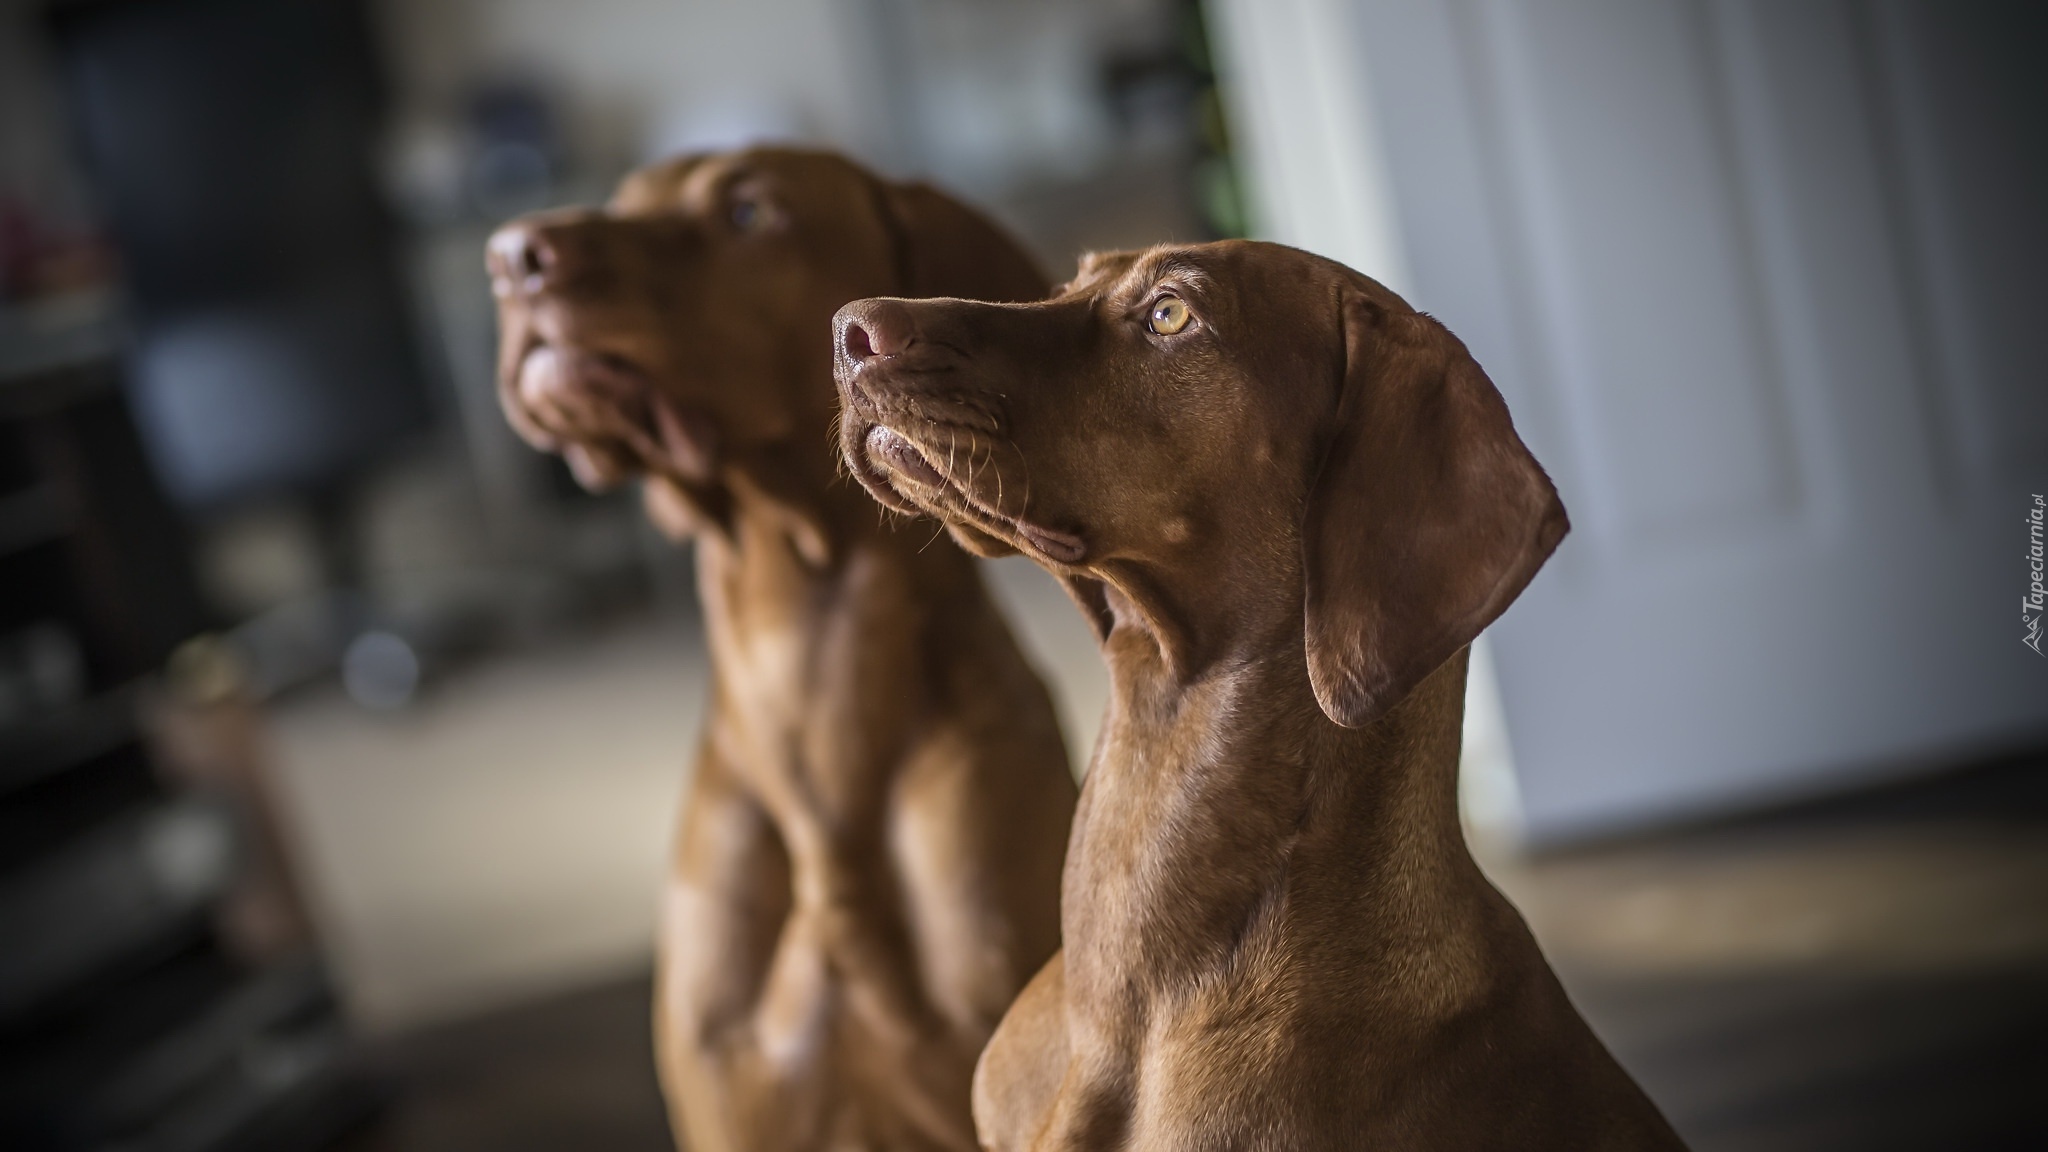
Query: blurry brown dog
(1288, 502)
(868, 869)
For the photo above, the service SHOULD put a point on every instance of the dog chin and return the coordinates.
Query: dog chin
(896, 456)
(904, 494)
(544, 377)
(879, 481)
(935, 497)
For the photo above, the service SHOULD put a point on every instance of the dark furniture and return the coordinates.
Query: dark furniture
(126, 1018)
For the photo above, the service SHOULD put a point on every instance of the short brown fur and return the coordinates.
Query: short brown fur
(867, 870)
(1286, 521)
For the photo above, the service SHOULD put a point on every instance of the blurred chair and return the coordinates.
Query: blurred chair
(232, 145)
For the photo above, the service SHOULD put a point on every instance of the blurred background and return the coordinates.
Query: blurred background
(342, 736)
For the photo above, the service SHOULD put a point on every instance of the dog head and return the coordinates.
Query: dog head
(683, 330)
(1249, 426)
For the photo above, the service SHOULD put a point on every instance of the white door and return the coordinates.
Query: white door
(1761, 281)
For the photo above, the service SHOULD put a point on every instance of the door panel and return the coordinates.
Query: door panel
(1626, 206)
(1962, 86)
(1759, 280)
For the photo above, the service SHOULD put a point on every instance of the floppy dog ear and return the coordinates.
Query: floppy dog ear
(944, 248)
(1426, 519)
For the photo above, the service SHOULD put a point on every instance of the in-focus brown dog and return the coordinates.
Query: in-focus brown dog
(868, 867)
(1288, 502)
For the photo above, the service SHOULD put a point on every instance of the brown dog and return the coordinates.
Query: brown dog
(1288, 502)
(868, 868)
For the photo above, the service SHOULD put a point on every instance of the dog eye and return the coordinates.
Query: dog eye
(1169, 315)
(747, 215)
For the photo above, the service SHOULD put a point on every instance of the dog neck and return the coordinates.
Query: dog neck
(818, 610)
(799, 543)
(1226, 821)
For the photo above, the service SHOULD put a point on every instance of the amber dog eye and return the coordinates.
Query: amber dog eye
(1169, 315)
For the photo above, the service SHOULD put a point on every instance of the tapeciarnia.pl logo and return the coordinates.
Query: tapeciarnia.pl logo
(2036, 599)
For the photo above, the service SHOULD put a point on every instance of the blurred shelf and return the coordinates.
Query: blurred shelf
(118, 891)
(194, 1053)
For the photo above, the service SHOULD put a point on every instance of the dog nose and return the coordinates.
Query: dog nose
(869, 329)
(523, 259)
